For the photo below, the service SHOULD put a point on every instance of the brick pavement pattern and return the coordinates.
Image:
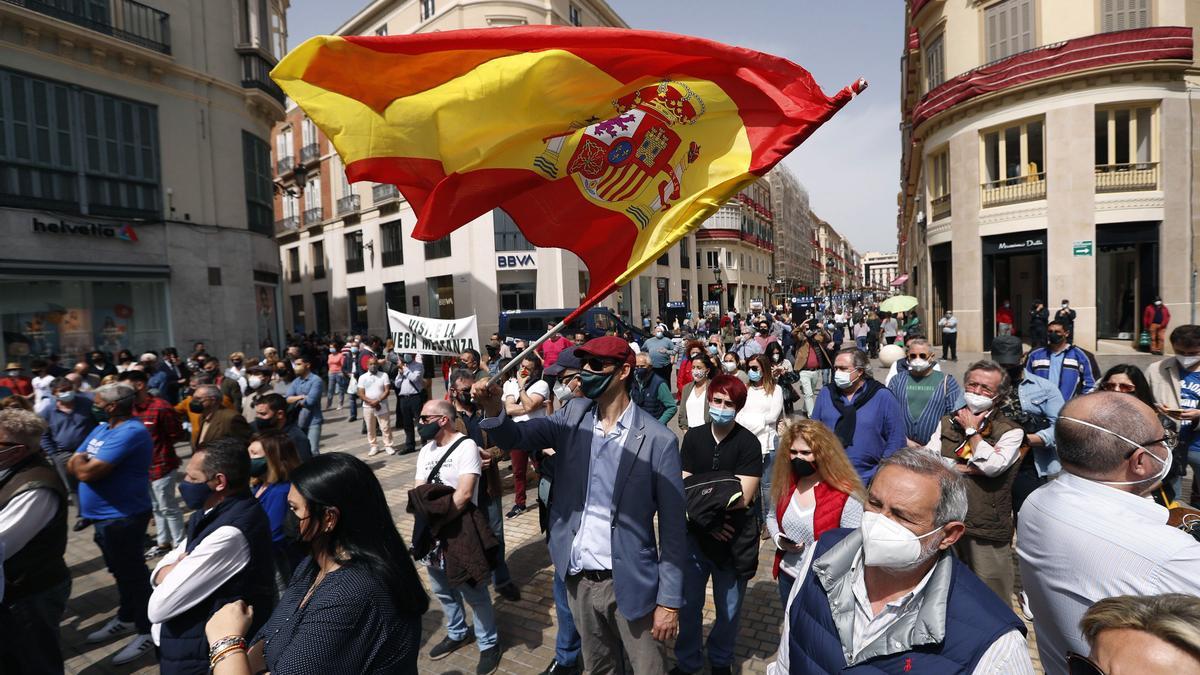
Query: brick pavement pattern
(527, 627)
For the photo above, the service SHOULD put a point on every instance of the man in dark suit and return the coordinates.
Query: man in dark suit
(616, 469)
(216, 421)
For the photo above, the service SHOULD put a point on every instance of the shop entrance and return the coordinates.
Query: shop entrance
(1014, 269)
(1126, 277)
(942, 274)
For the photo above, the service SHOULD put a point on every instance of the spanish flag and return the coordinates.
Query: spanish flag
(613, 144)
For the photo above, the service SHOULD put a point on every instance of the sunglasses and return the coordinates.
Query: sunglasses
(1167, 442)
(1123, 387)
(1078, 664)
(753, 369)
(425, 419)
(566, 379)
(597, 364)
(925, 356)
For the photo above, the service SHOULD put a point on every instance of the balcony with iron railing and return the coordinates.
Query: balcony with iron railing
(126, 20)
(256, 74)
(284, 165)
(391, 258)
(1127, 177)
(310, 153)
(940, 206)
(288, 224)
(319, 271)
(294, 276)
(348, 205)
(1027, 188)
(384, 193)
(312, 216)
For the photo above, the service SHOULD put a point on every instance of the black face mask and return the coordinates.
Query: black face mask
(196, 406)
(291, 528)
(261, 424)
(428, 431)
(1056, 338)
(803, 467)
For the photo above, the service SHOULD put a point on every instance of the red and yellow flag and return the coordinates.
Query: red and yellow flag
(613, 144)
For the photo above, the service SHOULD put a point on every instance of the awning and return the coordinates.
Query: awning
(900, 280)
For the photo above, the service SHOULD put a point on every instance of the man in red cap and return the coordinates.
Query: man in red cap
(616, 468)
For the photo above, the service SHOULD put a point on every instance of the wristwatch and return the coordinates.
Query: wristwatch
(970, 431)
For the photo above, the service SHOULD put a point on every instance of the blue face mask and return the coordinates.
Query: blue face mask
(755, 375)
(721, 416)
(194, 494)
(712, 349)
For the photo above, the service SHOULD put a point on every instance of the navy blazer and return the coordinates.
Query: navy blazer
(649, 482)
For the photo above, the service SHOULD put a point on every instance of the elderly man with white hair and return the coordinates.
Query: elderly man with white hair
(113, 468)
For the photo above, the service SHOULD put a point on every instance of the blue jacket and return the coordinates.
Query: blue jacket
(949, 638)
(649, 482)
(66, 431)
(879, 433)
(183, 646)
(1077, 375)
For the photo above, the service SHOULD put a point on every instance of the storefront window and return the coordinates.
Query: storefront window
(441, 297)
(70, 318)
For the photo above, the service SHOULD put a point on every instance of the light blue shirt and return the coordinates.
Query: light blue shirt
(592, 547)
(1056, 363)
(311, 388)
(659, 359)
(1038, 396)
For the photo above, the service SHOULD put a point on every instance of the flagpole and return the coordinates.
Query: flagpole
(585, 306)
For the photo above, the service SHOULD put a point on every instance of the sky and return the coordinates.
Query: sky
(851, 165)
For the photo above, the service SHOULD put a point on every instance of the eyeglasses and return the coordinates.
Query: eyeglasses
(1078, 664)
(925, 356)
(1123, 387)
(598, 364)
(426, 419)
(566, 379)
(1167, 442)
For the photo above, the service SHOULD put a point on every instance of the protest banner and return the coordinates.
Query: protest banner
(436, 337)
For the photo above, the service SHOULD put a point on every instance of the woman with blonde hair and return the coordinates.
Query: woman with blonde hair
(814, 488)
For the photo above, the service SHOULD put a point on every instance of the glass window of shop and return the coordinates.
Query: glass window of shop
(359, 314)
(518, 295)
(441, 296)
(70, 318)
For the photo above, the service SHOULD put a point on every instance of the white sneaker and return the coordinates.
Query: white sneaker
(373, 452)
(390, 450)
(1025, 609)
(114, 628)
(134, 650)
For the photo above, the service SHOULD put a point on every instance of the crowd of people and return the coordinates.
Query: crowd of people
(659, 466)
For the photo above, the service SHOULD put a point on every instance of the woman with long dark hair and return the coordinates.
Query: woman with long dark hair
(354, 604)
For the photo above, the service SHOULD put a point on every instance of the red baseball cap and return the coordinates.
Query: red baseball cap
(608, 347)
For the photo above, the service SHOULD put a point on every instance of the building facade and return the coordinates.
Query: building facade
(1048, 154)
(135, 182)
(347, 250)
(879, 270)
(735, 249)
(795, 270)
(837, 261)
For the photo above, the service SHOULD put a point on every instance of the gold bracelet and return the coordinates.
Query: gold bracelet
(672, 610)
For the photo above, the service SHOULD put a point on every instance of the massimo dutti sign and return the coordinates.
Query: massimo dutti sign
(93, 230)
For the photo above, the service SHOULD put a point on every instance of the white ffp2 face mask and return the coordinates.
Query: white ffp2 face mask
(1187, 362)
(1153, 480)
(889, 544)
(978, 403)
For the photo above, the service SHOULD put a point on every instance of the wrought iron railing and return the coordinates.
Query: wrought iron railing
(287, 224)
(256, 74)
(941, 206)
(347, 204)
(127, 20)
(312, 216)
(309, 153)
(384, 192)
(285, 165)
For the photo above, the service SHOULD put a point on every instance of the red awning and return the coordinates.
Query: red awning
(900, 280)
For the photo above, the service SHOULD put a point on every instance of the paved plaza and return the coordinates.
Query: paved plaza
(527, 627)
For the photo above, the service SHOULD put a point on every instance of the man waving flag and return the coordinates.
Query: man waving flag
(611, 143)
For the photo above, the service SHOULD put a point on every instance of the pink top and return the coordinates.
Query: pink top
(335, 363)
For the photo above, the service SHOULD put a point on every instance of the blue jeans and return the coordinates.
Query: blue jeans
(452, 598)
(764, 486)
(314, 437)
(337, 385)
(728, 593)
(566, 641)
(34, 627)
(120, 541)
(495, 517)
(353, 407)
(862, 343)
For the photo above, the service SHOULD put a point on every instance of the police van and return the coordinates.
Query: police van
(530, 324)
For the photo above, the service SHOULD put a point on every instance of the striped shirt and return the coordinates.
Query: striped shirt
(945, 399)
